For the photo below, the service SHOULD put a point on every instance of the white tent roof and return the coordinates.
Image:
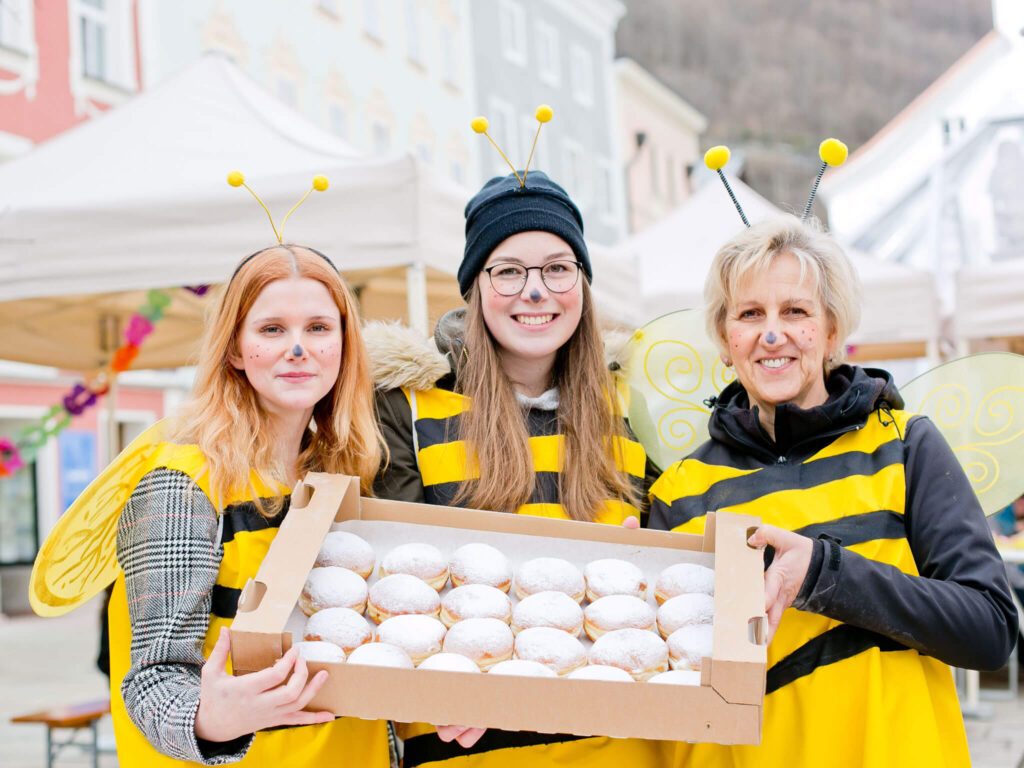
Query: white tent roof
(137, 198)
(990, 300)
(674, 257)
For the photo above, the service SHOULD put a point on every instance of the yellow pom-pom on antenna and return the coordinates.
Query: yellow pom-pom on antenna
(833, 152)
(320, 183)
(544, 113)
(716, 158)
(479, 124)
(236, 178)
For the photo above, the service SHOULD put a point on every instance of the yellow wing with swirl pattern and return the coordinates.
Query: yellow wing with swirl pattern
(977, 403)
(79, 557)
(672, 368)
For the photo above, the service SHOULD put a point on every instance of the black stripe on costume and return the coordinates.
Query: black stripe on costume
(856, 529)
(428, 748)
(441, 494)
(436, 431)
(835, 645)
(225, 601)
(785, 477)
(245, 516)
(545, 488)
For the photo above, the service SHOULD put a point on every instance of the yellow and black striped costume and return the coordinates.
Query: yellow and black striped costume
(183, 571)
(904, 578)
(429, 465)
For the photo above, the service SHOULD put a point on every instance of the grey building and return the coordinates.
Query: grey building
(557, 52)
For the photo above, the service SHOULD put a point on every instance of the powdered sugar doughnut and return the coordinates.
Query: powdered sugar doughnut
(639, 652)
(346, 550)
(423, 561)
(419, 636)
(607, 614)
(485, 641)
(400, 594)
(677, 677)
(544, 574)
(450, 662)
(380, 655)
(689, 644)
(333, 587)
(683, 579)
(522, 667)
(481, 564)
(475, 601)
(681, 610)
(318, 650)
(614, 577)
(600, 672)
(553, 647)
(341, 626)
(548, 609)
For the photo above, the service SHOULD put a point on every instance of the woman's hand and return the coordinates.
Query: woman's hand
(465, 735)
(785, 576)
(231, 706)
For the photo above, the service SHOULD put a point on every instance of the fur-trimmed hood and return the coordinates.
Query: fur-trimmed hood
(401, 357)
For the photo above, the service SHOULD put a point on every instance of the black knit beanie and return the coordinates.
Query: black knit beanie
(504, 208)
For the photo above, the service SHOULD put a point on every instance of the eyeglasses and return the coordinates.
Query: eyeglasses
(557, 276)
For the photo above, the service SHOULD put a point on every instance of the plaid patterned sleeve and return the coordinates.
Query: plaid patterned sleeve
(167, 547)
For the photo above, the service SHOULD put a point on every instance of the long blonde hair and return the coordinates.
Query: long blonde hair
(227, 422)
(495, 433)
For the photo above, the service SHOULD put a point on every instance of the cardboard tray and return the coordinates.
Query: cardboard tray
(726, 708)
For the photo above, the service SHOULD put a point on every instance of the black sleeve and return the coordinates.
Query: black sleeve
(959, 609)
(399, 479)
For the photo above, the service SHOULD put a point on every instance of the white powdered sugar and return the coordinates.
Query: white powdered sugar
(614, 577)
(613, 612)
(684, 578)
(485, 641)
(677, 677)
(423, 561)
(522, 667)
(544, 574)
(600, 672)
(341, 626)
(481, 564)
(333, 587)
(380, 655)
(475, 601)
(688, 645)
(318, 650)
(346, 550)
(553, 647)
(548, 609)
(682, 610)
(401, 593)
(419, 636)
(449, 662)
(639, 652)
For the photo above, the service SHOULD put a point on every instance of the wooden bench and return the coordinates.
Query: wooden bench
(77, 717)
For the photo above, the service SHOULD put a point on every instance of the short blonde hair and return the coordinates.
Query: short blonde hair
(752, 252)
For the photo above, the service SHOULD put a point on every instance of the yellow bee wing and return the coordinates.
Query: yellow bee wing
(977, 402)
(79, 557)
(672, 368)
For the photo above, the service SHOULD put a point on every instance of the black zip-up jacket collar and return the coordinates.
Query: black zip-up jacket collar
(853, 395)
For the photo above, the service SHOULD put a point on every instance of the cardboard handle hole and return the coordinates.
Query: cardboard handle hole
(757, 630)
(750, 532)
(302, 495)
(252, 595)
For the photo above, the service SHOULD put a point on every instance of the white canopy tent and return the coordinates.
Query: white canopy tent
(900, 310)
(137, 199)
(989, 301)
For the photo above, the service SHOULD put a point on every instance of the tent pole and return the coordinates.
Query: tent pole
(416, 296)
(111, 447)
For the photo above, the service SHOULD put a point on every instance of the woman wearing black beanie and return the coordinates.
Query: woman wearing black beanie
(514, 411)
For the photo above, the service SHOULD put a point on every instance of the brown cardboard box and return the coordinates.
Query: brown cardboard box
(725, 708)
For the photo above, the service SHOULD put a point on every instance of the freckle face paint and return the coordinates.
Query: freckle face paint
(297, 351)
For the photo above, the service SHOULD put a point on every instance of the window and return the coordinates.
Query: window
(603, 186)
(548, 64)
(503, 131)
(449, 56)
(371, 19)
(425, 153)
(528, 129)
(581, 70)
(575, 173)
(381, 136)
(19, 527)
(655, 169)
(414, 47)
(456, 171)
(512, 23)
(15, 24)
(337, 117)
(93, 27)
(671, 181)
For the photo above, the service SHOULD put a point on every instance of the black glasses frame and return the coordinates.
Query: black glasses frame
(526, 279)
